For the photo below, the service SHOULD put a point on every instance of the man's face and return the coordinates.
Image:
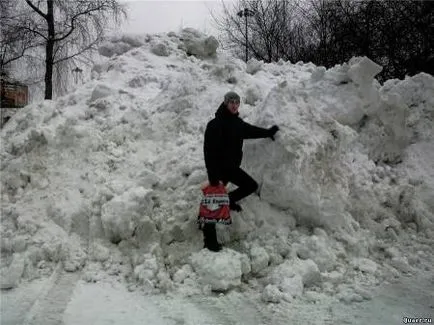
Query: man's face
(233, 106)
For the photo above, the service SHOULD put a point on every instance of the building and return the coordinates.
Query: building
(14, 95)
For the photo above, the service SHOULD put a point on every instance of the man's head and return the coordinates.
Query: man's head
(232, 101)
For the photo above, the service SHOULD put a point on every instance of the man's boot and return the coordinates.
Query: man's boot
(210, 237)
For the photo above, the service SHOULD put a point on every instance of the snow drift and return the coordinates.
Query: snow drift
(106, 180)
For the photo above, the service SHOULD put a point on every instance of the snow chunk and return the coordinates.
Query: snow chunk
(101, 91)
(221, 270)
(292, 286)
(254, 66)
(99, 252)
(164, 282)
(392, 252)
(363, 70)
(347, 294)
(252, 95)
(365, 265)
(74, 256)
(197, 44)
(110, 49)
(259, 257)
(401, 264)
(146, 272)
(365, 293)
(288, 181)
(182, 274)
(307, 269)
(271, 294)
(309, 272)
(318, 74)
(160, 49)
(317, 249)
(334, 277)
(124, 213)
(53, 241)
(119, 45)
(11, 275)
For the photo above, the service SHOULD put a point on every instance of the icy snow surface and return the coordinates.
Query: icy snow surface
(102, 187)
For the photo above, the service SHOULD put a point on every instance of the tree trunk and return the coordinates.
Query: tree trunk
(49, 52)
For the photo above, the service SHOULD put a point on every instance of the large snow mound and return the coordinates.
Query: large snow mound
(106, 180)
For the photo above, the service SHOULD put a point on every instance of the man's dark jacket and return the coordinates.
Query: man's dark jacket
(223, 146)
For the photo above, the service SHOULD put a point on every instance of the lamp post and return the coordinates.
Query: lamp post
(246, 13)
(77, 71)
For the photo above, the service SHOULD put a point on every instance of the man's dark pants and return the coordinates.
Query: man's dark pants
(246, 186)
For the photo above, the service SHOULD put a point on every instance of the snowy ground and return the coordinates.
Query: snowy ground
(100, 192)
(111, 303)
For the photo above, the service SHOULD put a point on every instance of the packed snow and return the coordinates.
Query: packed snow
(103, 185)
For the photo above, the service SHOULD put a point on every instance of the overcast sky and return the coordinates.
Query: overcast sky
(164, 16)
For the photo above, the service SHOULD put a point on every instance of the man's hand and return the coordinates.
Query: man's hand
(272, 131)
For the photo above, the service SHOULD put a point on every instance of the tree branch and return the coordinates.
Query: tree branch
(72, 28)
(34, 31)
(36, 9)
(81, 51)
(19, 55)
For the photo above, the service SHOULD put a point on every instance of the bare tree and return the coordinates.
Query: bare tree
(396, 34)
(67, 29)
(408, 38)
(231, 27)
(272, 29)
(16, 39)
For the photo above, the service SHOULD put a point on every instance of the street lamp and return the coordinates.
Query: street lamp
(246, 13)
(77, 71)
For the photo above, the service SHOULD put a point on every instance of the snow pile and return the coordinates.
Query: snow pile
(194, 43)
(106, 180)
(118, 45)
(253, 66)
(220, 271)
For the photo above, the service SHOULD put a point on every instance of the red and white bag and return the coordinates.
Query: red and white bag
(214, 206)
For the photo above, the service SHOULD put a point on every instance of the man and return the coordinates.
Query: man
(223, 153)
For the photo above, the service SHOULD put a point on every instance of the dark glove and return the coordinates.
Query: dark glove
(272, 131)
